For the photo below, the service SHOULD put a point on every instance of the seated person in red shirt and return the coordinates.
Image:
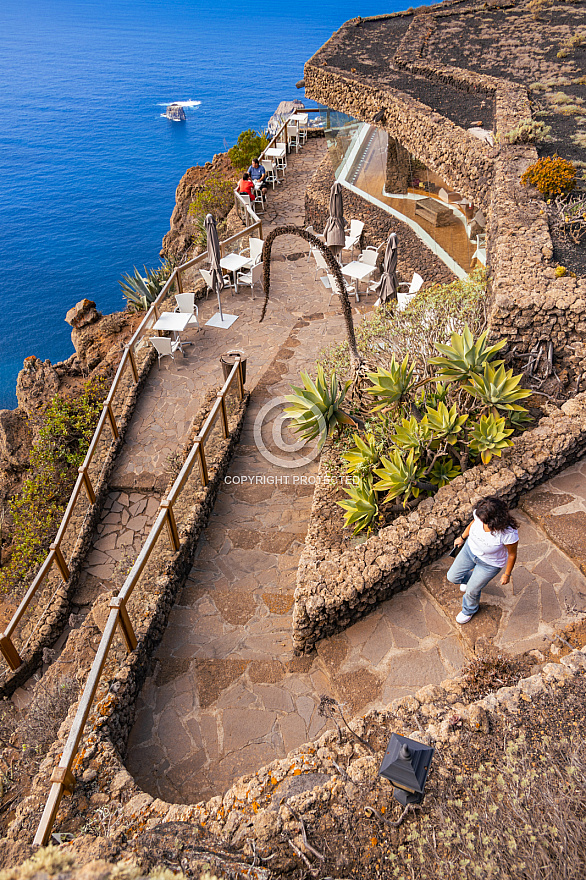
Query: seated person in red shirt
(246, 186)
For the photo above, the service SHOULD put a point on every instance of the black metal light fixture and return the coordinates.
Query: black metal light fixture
(406, 764)
(378, 115)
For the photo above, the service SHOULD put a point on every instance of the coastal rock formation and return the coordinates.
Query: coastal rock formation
(180, 236)
(15, 440)
(98, 339)
(36, 384)
(175, 112)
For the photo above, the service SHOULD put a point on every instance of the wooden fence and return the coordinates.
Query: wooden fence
(107, 423)
(62, 779)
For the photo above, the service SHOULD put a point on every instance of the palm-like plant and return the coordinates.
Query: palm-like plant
(445, 423)
(390, 386)
(489, 436)
(361, 506)
(464, 357)
(498, 389)
(399, 476)
(316, 408)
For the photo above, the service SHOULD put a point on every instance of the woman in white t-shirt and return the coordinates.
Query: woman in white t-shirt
(488, 544)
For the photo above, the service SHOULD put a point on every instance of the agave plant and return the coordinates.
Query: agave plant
(489, 437)
(390, 386)
(365, 454)
(316, 408)
(399, 476)
(444, 471)
(445, 423)
(498, 389)
(412, 434)
(464, 357)
(361, 506)
(141, 292)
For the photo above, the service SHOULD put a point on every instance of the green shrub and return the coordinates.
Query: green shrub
(215, 196)
(552, 175)
(529, 131)
(249, 145)
(36, 513)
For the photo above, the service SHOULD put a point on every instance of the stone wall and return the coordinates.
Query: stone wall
(528, 303)
(336, 589)
(413, 253)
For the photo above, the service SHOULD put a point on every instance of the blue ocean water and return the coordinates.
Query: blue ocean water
(88, 168)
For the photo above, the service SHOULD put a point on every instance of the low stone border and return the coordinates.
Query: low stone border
(336, 589)
(54, 618)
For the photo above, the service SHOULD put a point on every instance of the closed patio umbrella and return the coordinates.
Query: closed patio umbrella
(334, 234)
(388, 279)
(213, 249)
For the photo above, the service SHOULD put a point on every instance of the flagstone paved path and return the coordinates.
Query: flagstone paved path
(227, 694)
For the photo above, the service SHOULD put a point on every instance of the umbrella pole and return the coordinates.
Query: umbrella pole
(220, 307)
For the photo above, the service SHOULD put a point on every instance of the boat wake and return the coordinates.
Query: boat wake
(180, 103)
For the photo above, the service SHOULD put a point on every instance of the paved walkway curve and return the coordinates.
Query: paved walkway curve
(226, 694)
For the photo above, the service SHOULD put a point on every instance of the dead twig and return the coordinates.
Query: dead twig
(306, 842)
(327, 708)
(372, 813)
(297, 851)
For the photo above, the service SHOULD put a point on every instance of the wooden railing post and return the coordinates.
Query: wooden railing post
(10, 653)
(124, 623)
(60, 560)
(171, 524)
(203, 468)
(132, 358)
(240, 382)
(224, 417)
(112, 419)
(87, 484)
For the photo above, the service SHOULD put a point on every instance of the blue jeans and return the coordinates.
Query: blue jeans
(470, 570)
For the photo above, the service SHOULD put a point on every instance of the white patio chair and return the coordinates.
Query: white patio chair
(271, 172)
(353, 235)
(350, 289)
(254, 276)
(164, 346)
(293, 135)
(186, 304)
(414, 287)
(319, 235)
(320, 262)
(281, 162)
(369, 255)
(303, 123)
(207, 277)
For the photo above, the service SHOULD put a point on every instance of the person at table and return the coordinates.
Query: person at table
(258, 172)
(246, 186)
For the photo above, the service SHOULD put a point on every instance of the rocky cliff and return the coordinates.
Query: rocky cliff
(180, 236)
(98, 341)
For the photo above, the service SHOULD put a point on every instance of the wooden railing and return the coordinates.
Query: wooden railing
(62, 779)
(106, 423)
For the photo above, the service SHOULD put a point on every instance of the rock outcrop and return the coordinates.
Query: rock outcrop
(175, 112)
(180, 236)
